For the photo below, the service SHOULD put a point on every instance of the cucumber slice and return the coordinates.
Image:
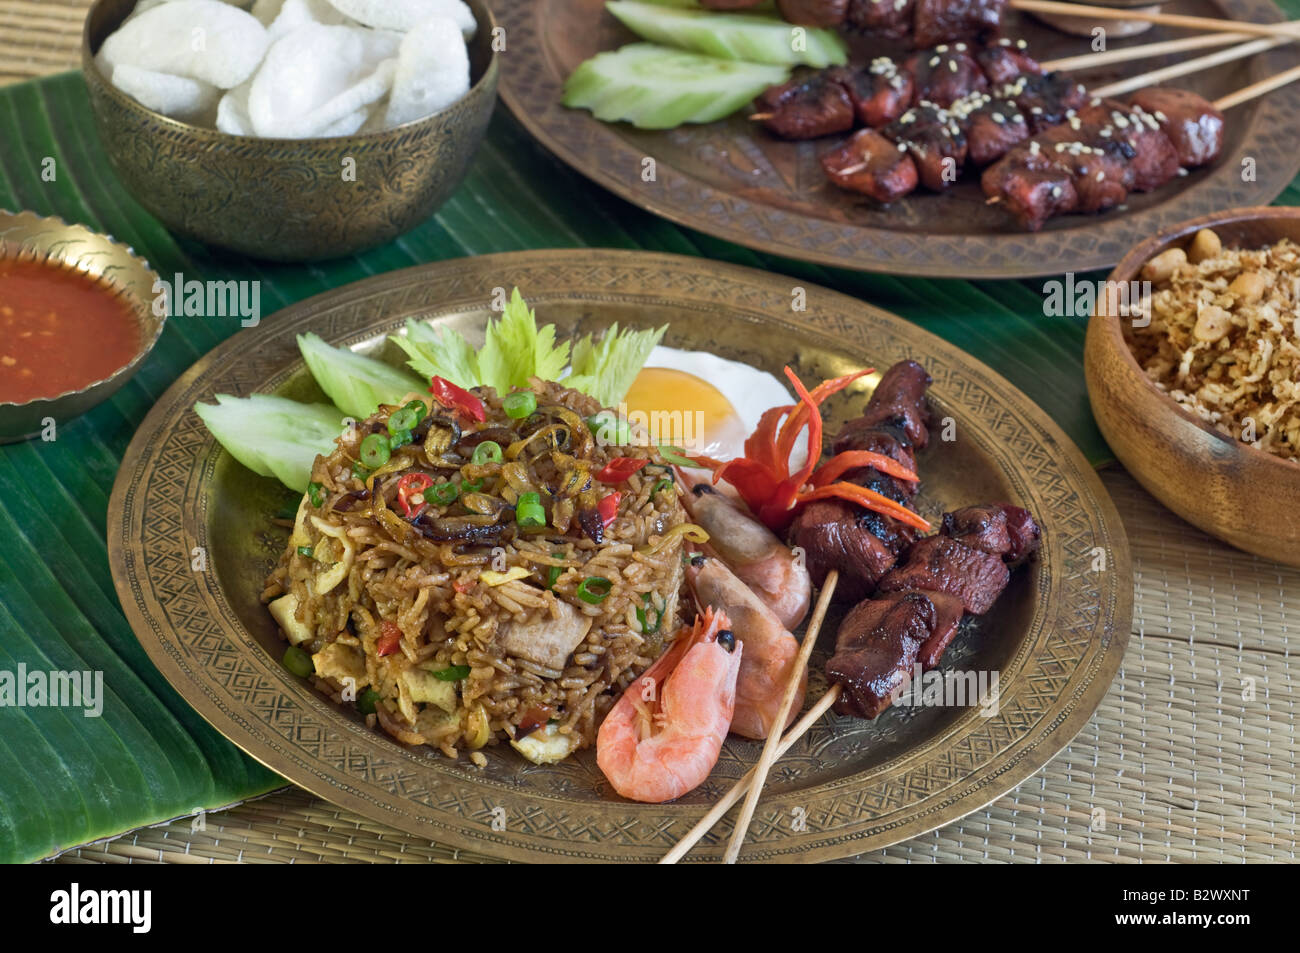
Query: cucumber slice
(753, 37)
(656, 87)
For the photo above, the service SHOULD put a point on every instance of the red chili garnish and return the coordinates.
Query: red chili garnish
(774, 494)
(620, 468)
(608, 508)
(457, 398)
(411, 486)
(462, 586)
(390, 638)
(533, 719)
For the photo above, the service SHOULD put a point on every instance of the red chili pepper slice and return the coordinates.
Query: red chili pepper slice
(411, 486)
(533, 719)
(842, 463)
(390, 638)
(608, 508)
(457, 398)
(620, 468)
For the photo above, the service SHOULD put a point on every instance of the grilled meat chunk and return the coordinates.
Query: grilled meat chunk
(1153, 159)
(897, 402)
(947, 21)
(869, 163)
(942, 563)
(880, 93)
(808, 107)
(862, 545)
(823, 13)
(1046, 99)
(945, 74)
(1193, 124)
(994, 128)
(998, 529)
(876, 649)
(935, 142)
(1006, 60)
(882, 19)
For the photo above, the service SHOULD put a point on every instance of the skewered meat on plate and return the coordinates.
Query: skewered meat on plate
(926, 22)
(861, 544)
(919, 609)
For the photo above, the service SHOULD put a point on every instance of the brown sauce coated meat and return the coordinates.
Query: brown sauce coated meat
(941, 563)
(807, 107)
(882, 19)
(1193, 124)
(875, 650)
(872, 165)
(945, 21)
(945, 74)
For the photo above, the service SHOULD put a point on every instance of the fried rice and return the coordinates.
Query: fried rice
(454, 626)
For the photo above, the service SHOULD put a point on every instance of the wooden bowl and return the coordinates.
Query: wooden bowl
(1245, 497)
(285, 199)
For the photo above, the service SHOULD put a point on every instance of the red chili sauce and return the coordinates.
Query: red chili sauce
(60, 330)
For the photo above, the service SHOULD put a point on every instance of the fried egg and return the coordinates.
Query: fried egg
(703, 403)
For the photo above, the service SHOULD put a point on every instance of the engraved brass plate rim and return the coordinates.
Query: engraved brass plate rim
(1056, 675)
(911, 237)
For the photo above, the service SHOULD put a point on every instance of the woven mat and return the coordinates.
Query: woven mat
(1182, 767)
(1176, 766)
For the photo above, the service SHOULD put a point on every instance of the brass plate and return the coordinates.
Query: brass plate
(1056, 637)
(736, 182)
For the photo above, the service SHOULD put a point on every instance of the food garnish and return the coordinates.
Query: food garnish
(273, 436)
(774, 494)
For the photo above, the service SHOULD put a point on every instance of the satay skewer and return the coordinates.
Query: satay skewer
(773, 742)
(1247, 93)
(1286, 28)
(1157, 76)
(733, 796)
(1086, 61)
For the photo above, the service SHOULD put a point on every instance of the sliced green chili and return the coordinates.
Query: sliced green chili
(374, 452)
(452, 673)
(297, 662)
(594, 589)
(519, 404)
(489, 451)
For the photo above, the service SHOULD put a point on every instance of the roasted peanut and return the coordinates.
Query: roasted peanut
(1212, 323)
(1248, 286)
(1163, 266)
(1205, 245)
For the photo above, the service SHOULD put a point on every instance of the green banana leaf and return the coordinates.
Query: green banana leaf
(66, 779)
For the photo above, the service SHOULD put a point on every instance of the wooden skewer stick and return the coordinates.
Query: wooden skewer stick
(1258, 89)
(1197, 65)
(1147, 50)
(732, 797)
(761, 117)
(769, 754)
(1167, 19)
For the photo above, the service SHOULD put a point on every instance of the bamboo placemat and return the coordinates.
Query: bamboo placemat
(1183, 767)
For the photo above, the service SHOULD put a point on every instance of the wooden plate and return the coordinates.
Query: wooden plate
(190, 544)
(739, 183)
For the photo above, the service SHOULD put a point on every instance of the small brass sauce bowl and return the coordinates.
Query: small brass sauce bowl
(1229, 489)
(289, 199)
(28, 236)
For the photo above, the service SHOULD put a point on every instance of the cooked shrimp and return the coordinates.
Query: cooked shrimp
(770, 649)
(753, 553)
(662, 738)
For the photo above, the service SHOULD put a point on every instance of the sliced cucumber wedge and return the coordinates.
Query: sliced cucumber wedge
(753, 37)
(656, 87)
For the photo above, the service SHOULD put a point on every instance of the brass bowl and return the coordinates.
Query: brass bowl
(1217, 483)
(288, 199)
(26, 235)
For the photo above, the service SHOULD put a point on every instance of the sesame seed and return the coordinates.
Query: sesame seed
(999, 118)
(934, 61)
(1100, 176)
(1056, 191)
(961, 47)
(1161, 116)
(1021, 45)
(902, 147)
(952, 65)
(941, 49)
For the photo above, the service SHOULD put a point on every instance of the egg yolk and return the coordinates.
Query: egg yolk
(682, 410)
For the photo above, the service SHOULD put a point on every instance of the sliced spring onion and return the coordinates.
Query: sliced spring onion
(442, 494)
(594, 589)
(641, 615)
(554, 572)
(452, 673)
(367, 701)
(359, 472)
(609, 429)
(316, 493)
(297, 662)
(402, 420)
(399, 439)
(375, 451)
(519, 404)
(304, 551)
(663, 484)
(489, 451)
(529, 510)
(676, 455)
